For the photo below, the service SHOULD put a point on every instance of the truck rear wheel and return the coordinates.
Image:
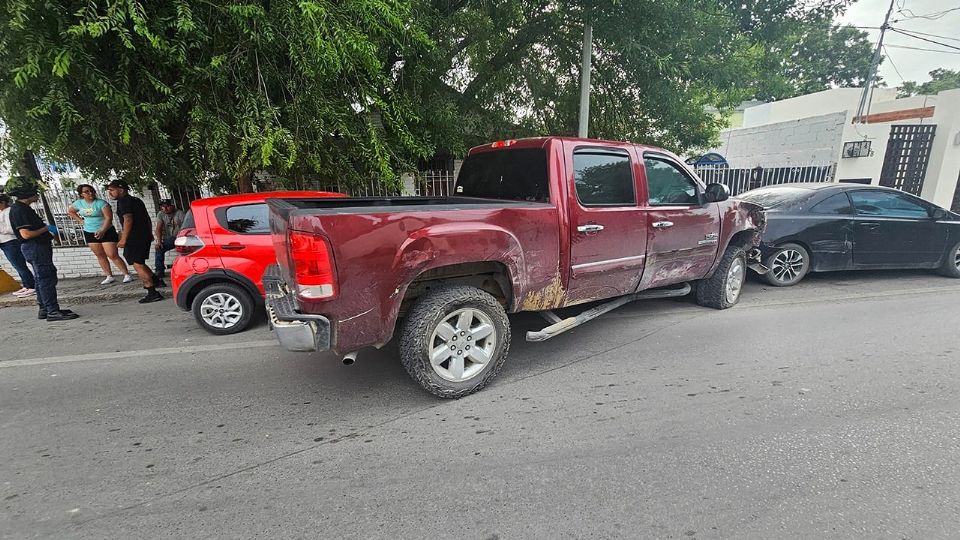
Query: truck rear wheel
(454, 341)
(722, 289)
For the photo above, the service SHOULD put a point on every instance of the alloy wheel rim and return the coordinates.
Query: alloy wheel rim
(735, 276)
(956, 258)
(221, 310)
(462, 345)
(787, 265)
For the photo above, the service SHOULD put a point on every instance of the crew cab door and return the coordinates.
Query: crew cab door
(608, 237)
(684, 230)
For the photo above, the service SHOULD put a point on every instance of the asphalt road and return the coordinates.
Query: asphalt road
(826, 410)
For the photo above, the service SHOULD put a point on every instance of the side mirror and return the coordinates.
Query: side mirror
(716, 193)
(938, 213)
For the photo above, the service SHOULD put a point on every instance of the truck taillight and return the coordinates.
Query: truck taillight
(312, 266)
(187, 242)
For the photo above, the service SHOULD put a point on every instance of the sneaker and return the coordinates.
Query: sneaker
(159, 282)
(107, 280)
(61, 315)
(127, 278)
(42, 315)
(24, 292)
(152, 296)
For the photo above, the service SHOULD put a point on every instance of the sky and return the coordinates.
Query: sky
(913, 65)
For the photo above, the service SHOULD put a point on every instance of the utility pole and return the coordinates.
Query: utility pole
(585, 79)
(867, 97)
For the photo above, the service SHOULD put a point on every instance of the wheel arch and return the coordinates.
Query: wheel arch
(190, 288)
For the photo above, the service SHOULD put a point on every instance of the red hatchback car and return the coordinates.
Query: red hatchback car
(223, 249)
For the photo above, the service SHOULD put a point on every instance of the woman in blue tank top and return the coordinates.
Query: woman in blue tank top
(96, 216)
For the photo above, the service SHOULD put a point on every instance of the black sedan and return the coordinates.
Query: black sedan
(829, 226)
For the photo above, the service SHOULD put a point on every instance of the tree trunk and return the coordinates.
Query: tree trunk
(28, 167)
(245, 182)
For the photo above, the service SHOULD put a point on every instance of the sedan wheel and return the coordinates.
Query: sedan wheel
(951, 262)
(788, 265)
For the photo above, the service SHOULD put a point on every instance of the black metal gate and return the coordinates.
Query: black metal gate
(908, 152)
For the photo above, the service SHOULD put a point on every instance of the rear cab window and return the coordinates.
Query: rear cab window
(245, 218)
(604, 177)
(511, 174)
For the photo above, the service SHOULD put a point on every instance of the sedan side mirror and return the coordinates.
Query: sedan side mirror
(938, 213)
(716, 193)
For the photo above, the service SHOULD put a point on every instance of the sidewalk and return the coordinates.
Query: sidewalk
(72, 292)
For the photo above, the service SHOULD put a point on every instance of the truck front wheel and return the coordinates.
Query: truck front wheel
(454, 341)
(722, 289)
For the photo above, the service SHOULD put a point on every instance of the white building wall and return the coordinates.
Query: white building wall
(943, 172)
(808, 141)
(817, 104)
(868, 167)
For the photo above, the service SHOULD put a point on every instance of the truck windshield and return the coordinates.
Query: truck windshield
(516, 175)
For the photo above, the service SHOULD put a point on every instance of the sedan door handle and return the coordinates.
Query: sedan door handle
(593, 227)
(869, 224)
(234, 247)
(662, 224)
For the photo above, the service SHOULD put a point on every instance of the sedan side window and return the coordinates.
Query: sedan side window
(887, 204)
(668, 186)
(837, 204)
(603, 178)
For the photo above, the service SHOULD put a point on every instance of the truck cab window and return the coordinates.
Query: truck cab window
(603, 178)
(515, 175)
(668, 186)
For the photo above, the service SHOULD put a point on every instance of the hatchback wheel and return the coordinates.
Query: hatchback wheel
(223, 308)
(788, 265)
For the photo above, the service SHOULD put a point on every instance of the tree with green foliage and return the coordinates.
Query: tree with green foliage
(178, 90)
(940, 79)
(182, 90)
(816, 55)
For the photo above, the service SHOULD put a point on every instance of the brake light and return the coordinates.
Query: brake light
(187, 242)
(312, 266)
(503, 144)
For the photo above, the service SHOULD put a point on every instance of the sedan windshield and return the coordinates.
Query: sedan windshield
(773, 196)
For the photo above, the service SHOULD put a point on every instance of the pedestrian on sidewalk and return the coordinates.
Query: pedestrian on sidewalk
(10, 246)
(136, 237)
(37, 248)
(169, 222)
(96, 217)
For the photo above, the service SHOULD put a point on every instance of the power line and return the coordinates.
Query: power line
(926, 34)
(920, 49)
(925, 39)
(929, 16)
(895, 68)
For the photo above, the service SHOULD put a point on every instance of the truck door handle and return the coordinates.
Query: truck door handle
(662, 224)
(593, 227)
(234, 246)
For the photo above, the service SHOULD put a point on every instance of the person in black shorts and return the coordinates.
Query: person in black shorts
(36, 243)
(96, 217)
(136, 236)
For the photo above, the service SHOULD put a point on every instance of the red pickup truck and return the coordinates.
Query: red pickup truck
(533, 225)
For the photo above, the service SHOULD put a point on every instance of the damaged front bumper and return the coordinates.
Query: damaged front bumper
(298, 332)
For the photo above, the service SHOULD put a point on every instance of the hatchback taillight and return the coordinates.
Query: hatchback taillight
(187, 242)
(312, 264)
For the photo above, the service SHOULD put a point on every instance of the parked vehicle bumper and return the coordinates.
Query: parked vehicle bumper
(298, 332)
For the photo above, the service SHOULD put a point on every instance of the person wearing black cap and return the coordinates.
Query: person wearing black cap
(136, 237)
(169, 222)
(37, 247)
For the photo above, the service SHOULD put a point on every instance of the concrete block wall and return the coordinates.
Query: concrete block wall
(809, 141)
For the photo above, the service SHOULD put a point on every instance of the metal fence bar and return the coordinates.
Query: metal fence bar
(741, 180)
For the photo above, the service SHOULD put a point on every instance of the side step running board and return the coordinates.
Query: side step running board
(560, 326)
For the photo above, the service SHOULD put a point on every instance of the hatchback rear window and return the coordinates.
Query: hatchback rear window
(249, 219)
(516, 175)
(771, 197)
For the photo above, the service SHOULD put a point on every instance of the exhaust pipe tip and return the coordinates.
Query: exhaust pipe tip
(349, 359)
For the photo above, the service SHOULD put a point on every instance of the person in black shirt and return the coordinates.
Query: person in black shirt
(136, 238)
(37, 248)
